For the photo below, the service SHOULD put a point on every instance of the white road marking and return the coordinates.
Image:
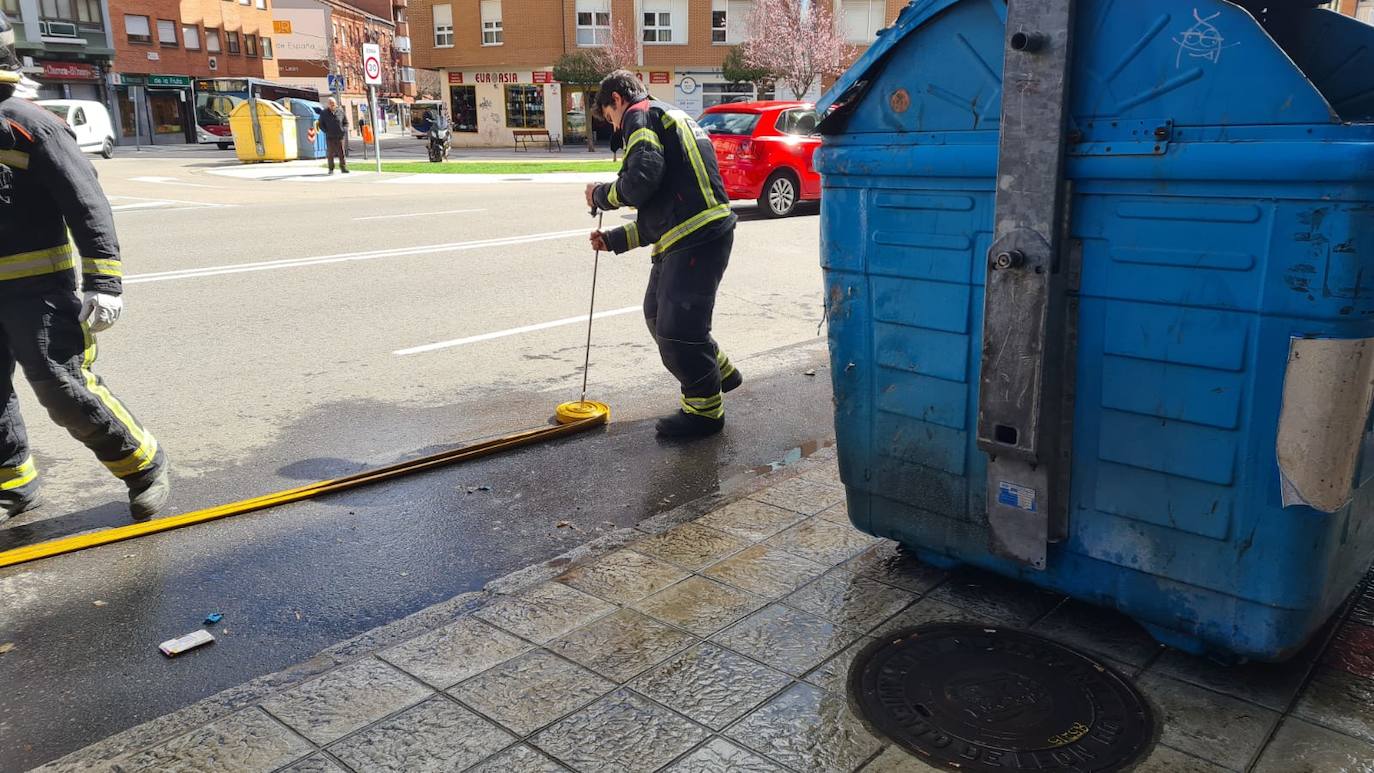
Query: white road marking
(419, 214)
(273, 265)
(515, 331)
(170, 181)
(144, 203)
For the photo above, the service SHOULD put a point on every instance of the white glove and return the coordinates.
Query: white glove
(101, 310)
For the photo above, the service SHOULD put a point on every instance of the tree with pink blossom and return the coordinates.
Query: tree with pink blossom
(798, 42)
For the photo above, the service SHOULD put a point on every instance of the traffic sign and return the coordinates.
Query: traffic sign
(372, 64)
(336, 83)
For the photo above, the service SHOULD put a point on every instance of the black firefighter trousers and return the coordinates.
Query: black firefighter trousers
(678, 306)
(42, 334)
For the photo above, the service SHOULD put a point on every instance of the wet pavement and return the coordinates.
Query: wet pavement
(717, 637)
(291, 582)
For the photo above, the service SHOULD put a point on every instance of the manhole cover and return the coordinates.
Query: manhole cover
(980, 699)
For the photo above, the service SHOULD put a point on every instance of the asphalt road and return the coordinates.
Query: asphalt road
(282, 331)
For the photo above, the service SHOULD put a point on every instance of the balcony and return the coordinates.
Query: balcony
(401, 44)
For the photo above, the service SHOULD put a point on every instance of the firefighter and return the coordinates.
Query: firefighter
(669, 174)
(48, 189)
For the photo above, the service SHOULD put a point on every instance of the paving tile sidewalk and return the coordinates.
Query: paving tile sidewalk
(718, 639)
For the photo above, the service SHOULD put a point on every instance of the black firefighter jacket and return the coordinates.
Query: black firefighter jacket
(670, 176)
(47, 189)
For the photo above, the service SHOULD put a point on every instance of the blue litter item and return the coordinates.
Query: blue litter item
(213, 617)
(1220, 171)
(309, 139)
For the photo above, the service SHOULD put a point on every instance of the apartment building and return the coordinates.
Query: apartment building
(496, 57)
(66, 45)
(163, 46)
(320, 38)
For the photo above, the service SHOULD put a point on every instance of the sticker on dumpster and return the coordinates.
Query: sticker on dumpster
(1019, 497)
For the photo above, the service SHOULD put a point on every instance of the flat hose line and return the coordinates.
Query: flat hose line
(589, 415)
(572, 418)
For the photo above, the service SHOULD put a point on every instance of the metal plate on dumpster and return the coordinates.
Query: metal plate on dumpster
(971, 698)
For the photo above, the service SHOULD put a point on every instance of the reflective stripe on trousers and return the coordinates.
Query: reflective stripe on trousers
(44, 337)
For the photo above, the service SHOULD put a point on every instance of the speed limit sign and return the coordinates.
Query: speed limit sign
(372, 64)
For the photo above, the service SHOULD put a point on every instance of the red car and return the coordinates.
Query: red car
(765, 150)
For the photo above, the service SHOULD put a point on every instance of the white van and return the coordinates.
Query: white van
(90, 121)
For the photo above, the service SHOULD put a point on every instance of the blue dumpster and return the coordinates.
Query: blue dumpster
(1189, 383)
(309, 138)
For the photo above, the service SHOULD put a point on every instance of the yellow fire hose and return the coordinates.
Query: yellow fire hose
(573, 418)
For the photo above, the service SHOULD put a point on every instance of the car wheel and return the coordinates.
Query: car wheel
(780, 195)
(107, 149)
(222, 145)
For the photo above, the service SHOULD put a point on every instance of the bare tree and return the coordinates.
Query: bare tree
(799, 43)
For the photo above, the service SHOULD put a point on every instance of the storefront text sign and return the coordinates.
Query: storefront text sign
(70, 71)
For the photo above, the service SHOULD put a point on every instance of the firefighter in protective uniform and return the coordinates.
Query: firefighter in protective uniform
(48, 189)
(669, 174)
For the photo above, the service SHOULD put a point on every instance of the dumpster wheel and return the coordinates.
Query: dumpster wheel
(971, 698)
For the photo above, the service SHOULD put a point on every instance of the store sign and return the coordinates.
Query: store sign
(70, 71)
(498, 77)
(306, 37)
(541, 76)
(297, 68)
(660, 77)
(173, 81)
(455, 78)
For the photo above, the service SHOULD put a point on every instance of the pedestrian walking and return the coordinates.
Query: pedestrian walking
(48, 189)
(334, 124)
(670, 176)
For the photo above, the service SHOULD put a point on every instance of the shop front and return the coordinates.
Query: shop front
(697, 90)
(488, 107)
(70, 80)
(154, 109)
(577, 101)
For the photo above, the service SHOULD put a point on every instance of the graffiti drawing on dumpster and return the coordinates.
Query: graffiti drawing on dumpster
(1202, 40)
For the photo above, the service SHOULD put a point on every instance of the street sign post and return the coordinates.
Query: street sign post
(372, 76)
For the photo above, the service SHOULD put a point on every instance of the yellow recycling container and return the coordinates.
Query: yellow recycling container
(277, 127)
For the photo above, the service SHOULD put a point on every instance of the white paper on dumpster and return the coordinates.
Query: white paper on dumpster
(1327, 392)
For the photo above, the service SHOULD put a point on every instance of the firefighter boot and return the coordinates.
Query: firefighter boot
(10, 507)
(149, 495)
(689, 425)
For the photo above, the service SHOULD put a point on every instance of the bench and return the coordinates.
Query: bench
(526, 137)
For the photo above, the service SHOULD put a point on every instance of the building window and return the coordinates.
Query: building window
(464, 102)
(167, 33)
(863, 19)
(525, 107)
(729, 19)
(87, 12)
(232, 38)
(658, 27)
(261, 5)
(491, 23)
(10, 7)
(593, 22)
(57, 9)
(443, 26)
(1364, 11)
(713, 94)
(191, 37)
(212, 40)
(250, 45)
(266, 48)
(137, 29)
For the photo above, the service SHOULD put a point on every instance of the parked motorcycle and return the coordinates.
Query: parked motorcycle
(439, 134)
